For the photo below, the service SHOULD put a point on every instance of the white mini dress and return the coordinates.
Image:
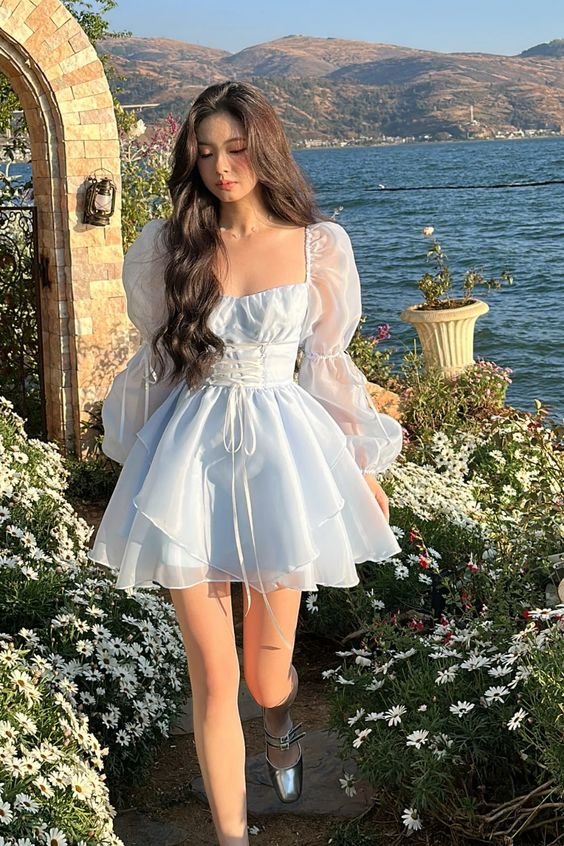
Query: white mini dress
(256, 475)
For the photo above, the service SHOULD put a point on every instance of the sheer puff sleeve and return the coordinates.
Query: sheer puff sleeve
(135, 392)
(327, 371)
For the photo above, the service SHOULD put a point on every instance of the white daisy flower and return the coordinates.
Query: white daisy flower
(326, 674)
(23, 800)
(461, 708)
(475, 662)
(311, 603)
(394, 714)
(445, 676)
(22, 681)
(417, 738)
(498, 671)
(352, 720)
(56, 837)
(361, 735)
(411, 819)
(516, 719)
(347, 784)
(383, 668)
(407, 654)
(43, 787)
(122, 737)
(7, 731)
(375, 684)
(6, 814)
(26, 722)
(81, 788)
(496, 694)
(29, 766)
(29, 635)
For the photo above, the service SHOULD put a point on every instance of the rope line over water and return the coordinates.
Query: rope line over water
(495, 185)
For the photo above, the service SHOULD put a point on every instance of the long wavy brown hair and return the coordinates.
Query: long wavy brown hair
(191, 235)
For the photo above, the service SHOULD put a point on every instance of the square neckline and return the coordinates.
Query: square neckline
(304, 282)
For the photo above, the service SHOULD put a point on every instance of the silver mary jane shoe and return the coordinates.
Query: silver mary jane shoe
(287, 781)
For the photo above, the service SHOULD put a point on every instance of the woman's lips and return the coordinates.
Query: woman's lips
(224, 184)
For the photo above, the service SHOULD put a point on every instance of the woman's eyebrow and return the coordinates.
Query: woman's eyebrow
(237, 138)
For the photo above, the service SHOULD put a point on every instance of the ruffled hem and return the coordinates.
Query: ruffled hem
(169, 522)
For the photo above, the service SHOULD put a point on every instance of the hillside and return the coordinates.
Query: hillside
(327, 88)
(551, 48)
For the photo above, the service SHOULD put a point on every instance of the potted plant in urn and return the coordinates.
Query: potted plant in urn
(445, 325)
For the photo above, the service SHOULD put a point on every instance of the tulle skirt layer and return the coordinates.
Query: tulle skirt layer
(295, 508)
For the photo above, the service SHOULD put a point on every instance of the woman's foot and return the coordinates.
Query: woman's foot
(277, 722)
(283, 751)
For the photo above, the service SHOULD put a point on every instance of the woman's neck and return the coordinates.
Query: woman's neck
(243, 219)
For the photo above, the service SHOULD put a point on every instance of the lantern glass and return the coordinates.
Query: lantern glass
(103, 202)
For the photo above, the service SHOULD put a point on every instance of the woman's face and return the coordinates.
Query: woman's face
(222, 157)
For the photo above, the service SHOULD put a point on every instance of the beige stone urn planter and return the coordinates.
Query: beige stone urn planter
(447, 335)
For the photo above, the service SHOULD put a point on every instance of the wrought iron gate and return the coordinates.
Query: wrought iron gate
(21, 354)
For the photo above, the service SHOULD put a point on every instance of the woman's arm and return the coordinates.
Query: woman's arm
(327, 371)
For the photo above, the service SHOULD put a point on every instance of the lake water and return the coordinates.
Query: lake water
(516, 229)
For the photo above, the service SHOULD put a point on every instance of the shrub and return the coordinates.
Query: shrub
(52, 786)
(432, 402)
(365, 351)
(449, 686)
(120, 653)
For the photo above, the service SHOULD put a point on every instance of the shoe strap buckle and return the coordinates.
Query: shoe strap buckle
(284, 742)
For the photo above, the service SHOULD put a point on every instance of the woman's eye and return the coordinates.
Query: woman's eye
(207, 155)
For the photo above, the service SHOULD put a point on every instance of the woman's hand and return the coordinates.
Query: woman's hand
(380, 494)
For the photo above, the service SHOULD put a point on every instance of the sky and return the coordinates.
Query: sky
(490, 26)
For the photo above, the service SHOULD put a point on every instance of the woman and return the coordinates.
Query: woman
(233, 470)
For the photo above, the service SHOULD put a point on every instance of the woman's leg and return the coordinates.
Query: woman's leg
(267, 662)
(205, 616)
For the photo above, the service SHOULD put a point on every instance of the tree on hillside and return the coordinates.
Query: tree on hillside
(91, 17)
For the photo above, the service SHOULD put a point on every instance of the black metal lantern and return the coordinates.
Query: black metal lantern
(100, 199)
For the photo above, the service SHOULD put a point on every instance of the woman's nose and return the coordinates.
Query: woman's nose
(221, 163)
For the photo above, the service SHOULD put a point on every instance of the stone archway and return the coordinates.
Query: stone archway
(63, 90)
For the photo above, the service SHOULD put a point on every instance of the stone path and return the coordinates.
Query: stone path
(322, 792)
(248, 709)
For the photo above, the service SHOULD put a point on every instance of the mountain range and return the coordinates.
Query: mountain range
(328, 89)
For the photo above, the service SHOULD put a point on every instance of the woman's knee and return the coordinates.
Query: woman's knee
(214, 681)
(267, 672)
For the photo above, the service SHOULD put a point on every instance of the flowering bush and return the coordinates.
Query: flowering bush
(365, 351)
(118, 654)
(145, 166)
(52, 788)
(435, 285)
(449, 690)
(431, 401)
